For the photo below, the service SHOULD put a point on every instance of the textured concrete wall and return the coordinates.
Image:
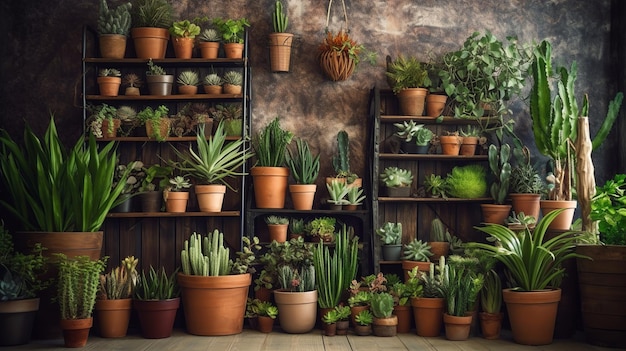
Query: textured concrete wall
(41, 57)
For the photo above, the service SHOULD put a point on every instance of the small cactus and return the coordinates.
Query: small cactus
(115, 21)
(206, 256)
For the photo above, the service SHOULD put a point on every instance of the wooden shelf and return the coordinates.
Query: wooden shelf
(433, 120)
(165, 61)
(168, 139)
(431, 157)
(173, 97)
(433, 200)
(172, 214)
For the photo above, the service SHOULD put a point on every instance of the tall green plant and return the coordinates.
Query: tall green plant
(335, 271)
(51, 188)
(270, 144)
(206, 255)
(157, 286)
(279, 18)
(78, 285)
(501, 170)
(303, 165)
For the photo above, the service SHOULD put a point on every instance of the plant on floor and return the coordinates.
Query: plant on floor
(156, 286)
(360, 298)
(461, 284)
(609, 209)
(120, 282)
(491, 293)
(330, 317)
(417, 250)
(264, 309)
(77, 285)
(295, 253)
(364, 317)
(296, 279)
(381, 305)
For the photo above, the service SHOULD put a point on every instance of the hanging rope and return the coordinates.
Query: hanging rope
(345, 15)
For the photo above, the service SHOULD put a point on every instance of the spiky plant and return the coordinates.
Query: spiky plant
(188, 77)
(233, 78)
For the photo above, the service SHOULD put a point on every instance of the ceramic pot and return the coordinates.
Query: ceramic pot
(210, 197)
(17, 318)
(160, 85)
(151, 201)
(330, 329)
(564, 220)
(156, 317)
(408, 266)
(435, 104)
(391, 252)
(213, 89)
(232, 89)
(428, 314)
(362, 330)
(468, 146)
(457, 327)
(342, 327)
(112, 45)
(491, 324)
(302, 196)
(411, 101)
(385, 326)
(209, 49)
(76, 331)
(183, 47)
(270, 186)
(187, 89)
(527, 203)
(438, 248)
(109, 86)
(297, 311)
(450, 144)
(401, 191)
(176, 201)
(354, 311)
(265, 324)
(495, 214)
(233, 50)
(112, 317)
(150, 42)
(278, 232)
(404, 315)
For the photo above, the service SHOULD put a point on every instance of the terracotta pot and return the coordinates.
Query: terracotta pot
(132, 91)
(438, 248)
(468, 146)
(408, 266)
(221, 297)
(428, 314)
(156, 317)
(362, 330)
(457, 327)
(280, 51)
(330, 329)
(411, 101)
(270, 186)
(151, 201)
(150, 42)
(450, 144)
(187, 89)
(297, 311)
(342, 327)
(337, 66)
(265, 324)
(302, 196)
(112, 45)
(527, 203)
(210, 197)
(213, 89)
(76, 331)
(176, 201)
(404, 314)
(232, 89)
(278, 232)
(564, 220)
(496, 214)
(532, 314)
(112, 132)
(490, 324)
(435, 104)
(160, 85)
(391, 252)
(350, 207)
(17, 318)
(385, 326)
(233, 50)
(209, 49)
(400, 191)
(183, 47)
(109, 86)
(161, 131)
(602, 286)
(112, 317)
(354, 311)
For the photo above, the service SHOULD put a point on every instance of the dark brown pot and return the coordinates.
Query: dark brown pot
(362, 330)
(490, 324)
(404, 314)
(532, 315)
(438, 248)
(265, 324)
(354, 311)
(156, 317)
(401, 191)
(408, 266)
(17, 318)
(342, 327)
(76, 331)
(151, 201)
(330, 329)
(385, 326)
(112, 317)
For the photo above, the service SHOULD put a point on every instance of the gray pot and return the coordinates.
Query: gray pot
(391, 252)
(160, 85)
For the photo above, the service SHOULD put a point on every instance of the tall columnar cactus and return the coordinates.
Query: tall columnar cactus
(438, 231)
(341, 161)
(115, 21)
(206, 256)
(279, 18)
(501, 169)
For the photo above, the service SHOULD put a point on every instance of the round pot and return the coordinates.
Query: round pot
(187, 89)
(435, 104)
(450, 144)
(233, 50)
(362, 330)
(151, 201)
(297, 311)
(209, 49)
(150, 42)
(160, 85)
(564, 220)
(280, 51)
(457, 327)
(156, 317)
(232, 89)
(400, 191)
(17, 318)
(342, 327)
(330, 329)
(428, 314)
(132, 91)
(409, 147)
(221, 297)
(468, 146)
(438, 248)
(354, 311)
(532, 315)
(124, 207)
(265, 324)
(112, 45)
(213, 89)
(76, 331)
(404, 315)
(385, 326)
(411, 101)
(302, 196)
(391, 252)
(176, 201)
(527, 203)
(270, 186)
(278, 232)
(112, 317)
(158, 129)
(337, 66)
(183, 47)
(496, 214)
(109, 86)
(491, 324)
(210, 197)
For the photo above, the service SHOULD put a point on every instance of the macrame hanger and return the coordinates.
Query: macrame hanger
(345, 15)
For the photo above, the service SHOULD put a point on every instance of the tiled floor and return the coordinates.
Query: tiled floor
(251, 340)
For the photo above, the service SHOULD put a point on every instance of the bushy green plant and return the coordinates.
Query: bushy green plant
(407, 73)
(295, 253)
(390, 233)
(153, 173)
(417, 250)
(185, 28)
(232, 30)
(364, 317)
(114, 21)
(608, 207)
(77, 285)
(303, 165)
(321, 227)
(152, 13)
(270, 144)
(381, 305)
(396, 177)
(157, 286)
(467, 182)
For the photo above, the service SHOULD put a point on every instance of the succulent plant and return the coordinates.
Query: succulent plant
(109, 72)
(114, 21)
(276, 220)
(233, 78)
(188, 77)
(213, 79)
(396, 177)
(417, 250)
(209, 34)
(390, 233)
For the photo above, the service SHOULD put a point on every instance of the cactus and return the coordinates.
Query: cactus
(279, 18)
(206, 256)
(115, 21)
(341, 161)
(438, 231)
(501, 169)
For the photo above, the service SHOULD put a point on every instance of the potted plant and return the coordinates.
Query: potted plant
(209, 43)
(402, 294)
(343, 319)
(188, 81)
(423, 138)
(216, 287)
(436, 186)
(607, 253)
(467, 182)
(353, 199)
(21, 279)
(296, 228)
(156, 300)
(280, 41)
(183, 36)
(132, 185)
(341, 162)
(213, 83)
(304, 168)
(103, 121)
(132, 83)
(436, 98)
(451, 143)
(358, 301)
(491, 302)
(175, 195)
(535, 265)
(296, 297)
(156, 121)
(390, 235)
(428, 307)
(215, 160)
(340, 55)
(499, 190)
(330, 319)
(109, 81)
(415, 137)
(397, 181)
(266, 313)
(461, 288)
(337, 191)
(364, 320)
(277, 227)
(233, 82)
(150, 193)
(114, 298)
(416, 254)
(269, 175)
(113, 29)
(408, 77)
(77, 288)
(385, 322)
(526, 186)
(150, 22)
(233, 35)
(439, 235)
(159, 82)
(470, 141)
(322, 229)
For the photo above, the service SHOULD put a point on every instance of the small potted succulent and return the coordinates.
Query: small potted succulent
(233, 82)
(266, 313)
(416, 253)
(156, 301)
(132, 83)
(337, 191)
(385, 323)
(159, 82)
(322, 229)
(330, 319)
(113, 29)
(109, 81)
(233, 35)
(188, 81)
(397, 181)
(436, 186)
(354, 198)
(176, 195)
(213, 83)
(183, 34)
(390, 235)
(209, 43)
(114, 299)
(364, 320)
(277, 227)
